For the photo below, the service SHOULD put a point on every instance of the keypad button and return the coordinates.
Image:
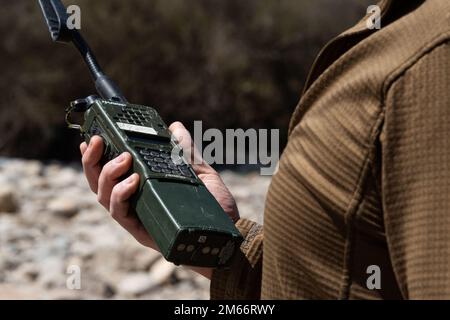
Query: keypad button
(168, 161)
(144, 152)
(159, 160)
(156, 169)
(152, 164)
(163, 165)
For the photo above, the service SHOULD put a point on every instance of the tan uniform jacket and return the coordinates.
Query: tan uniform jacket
(365, 177)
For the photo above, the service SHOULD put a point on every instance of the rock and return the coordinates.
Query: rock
(144, 260)
(8, 199)
(92, 216)
(50, 251)
(64, 207)
(62, 177)
(32, 168)
(107, 235)
(183, 274)
(37, 183)
(200, 281)
(82, 249)
(8, 226)
(140, 283)
(136, 284)
(105, 263)
(52, 273)
(162, 271)
(108, 291)
(27, 272)
(135, 257)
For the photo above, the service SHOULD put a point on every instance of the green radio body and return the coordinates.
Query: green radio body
(184, 219)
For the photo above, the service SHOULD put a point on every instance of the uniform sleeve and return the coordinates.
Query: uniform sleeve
(415, 144)
(243, 279)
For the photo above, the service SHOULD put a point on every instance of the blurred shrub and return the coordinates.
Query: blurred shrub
(229, 63)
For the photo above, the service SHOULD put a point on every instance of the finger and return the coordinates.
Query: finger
(91, 161)
(181, 134)
(120, 195)
(83, 148)
(110, 175)
(120, 206)
(190, 151)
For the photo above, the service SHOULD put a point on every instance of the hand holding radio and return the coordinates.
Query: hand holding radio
(114, 193)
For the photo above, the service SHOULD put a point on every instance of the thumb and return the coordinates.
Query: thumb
(190, 151)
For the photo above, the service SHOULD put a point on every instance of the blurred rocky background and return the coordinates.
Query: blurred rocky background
(229, 63)
(50, 220)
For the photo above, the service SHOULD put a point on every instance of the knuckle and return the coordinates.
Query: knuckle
(113, 170)
(107, 172)
(118, 193)
(176, 126)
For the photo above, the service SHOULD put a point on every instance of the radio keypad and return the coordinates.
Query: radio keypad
(161, 162)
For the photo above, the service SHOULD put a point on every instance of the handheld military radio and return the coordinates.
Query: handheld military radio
(176, 209)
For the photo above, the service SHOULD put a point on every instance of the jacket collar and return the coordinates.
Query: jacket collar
(323, 60)
(360, 28)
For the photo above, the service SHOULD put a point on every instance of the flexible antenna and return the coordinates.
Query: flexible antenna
(56, 17)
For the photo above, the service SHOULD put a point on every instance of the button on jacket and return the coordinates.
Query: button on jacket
(364, 180)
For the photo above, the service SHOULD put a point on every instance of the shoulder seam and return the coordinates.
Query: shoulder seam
(400, 71)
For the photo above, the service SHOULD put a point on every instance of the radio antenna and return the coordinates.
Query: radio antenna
(56, 17)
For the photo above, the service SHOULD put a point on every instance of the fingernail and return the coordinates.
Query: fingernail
(120, 158)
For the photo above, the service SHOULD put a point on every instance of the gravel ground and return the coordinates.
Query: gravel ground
(51, 222)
